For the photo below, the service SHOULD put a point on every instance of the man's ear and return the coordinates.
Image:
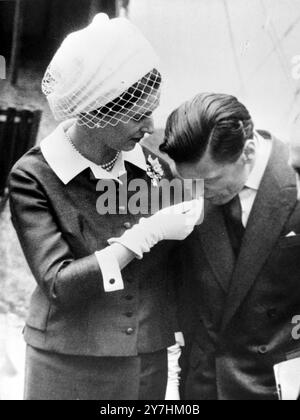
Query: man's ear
(248, 154)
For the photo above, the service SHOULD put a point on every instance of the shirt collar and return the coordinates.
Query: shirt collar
(263, 153)
(67, 163)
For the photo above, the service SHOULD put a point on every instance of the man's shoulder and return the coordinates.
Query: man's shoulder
(279, 161)
(277, 142)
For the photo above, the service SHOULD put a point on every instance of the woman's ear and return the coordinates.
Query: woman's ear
(249, 151)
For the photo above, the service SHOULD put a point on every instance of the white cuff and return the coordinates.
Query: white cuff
(180, 339)
(111, 273)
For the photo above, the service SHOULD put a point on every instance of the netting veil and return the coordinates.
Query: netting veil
(133, 104)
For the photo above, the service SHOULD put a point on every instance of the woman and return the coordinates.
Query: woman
(94, 332)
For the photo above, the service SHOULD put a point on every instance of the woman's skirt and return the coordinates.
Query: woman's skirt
(51, 376)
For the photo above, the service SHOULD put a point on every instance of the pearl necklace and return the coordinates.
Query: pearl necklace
(107, 166)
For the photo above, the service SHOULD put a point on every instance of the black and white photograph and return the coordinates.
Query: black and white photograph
(149, 202)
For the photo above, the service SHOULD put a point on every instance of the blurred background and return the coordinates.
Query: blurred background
(249, 48)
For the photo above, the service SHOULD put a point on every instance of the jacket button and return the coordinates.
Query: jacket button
(112, 281)
(129, 314)
(130, 331)
(130, 280)
(129, 298)
(127, 225)
(263, 350)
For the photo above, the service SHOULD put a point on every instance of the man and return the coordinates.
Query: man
(243, 263)
(94, 333)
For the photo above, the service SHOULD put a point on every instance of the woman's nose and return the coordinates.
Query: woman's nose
(148, 126)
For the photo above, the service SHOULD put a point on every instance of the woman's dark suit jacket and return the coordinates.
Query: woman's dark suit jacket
(60, 230)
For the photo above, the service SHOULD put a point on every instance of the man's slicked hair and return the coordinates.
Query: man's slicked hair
(217, 123)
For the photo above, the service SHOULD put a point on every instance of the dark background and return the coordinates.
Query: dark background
(47, 22)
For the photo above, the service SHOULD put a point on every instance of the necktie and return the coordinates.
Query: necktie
(233, 219)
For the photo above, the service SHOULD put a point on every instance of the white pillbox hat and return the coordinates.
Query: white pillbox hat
(96, 65)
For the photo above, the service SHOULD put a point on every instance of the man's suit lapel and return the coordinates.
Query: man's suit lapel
(274, 202)
(217, 246)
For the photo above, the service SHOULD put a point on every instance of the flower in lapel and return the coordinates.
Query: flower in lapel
(154, 170)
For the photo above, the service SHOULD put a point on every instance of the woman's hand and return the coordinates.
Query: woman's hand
(172, 223)
(176, 222)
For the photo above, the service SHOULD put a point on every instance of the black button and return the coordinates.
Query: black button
(127, 225)
(112, 281)
(130, 331)
(129, 314)
(263, 350)
(130, 280)
(129, 298)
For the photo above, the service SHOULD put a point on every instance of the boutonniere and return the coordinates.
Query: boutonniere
(154, 171)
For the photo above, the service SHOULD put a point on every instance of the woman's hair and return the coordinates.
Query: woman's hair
(144, 87)
(215, 122)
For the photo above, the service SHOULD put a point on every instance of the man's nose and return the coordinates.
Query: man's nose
(148, 126)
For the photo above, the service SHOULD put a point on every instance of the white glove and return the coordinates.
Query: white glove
(174, 370)
(172, 223)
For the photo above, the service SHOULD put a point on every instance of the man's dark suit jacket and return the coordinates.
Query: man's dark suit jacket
(60, 230)
(237, 315)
